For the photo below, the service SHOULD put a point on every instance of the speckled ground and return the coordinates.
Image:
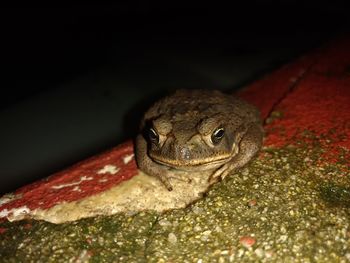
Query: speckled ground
(284, 206)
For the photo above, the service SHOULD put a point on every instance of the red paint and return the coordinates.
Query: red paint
(319, 103)
(252, 203)
(247, 241)
(41, 194)
(269, 90)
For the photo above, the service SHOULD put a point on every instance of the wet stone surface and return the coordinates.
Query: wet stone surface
(285, 206)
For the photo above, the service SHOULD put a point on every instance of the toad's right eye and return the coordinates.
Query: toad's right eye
(153, 136)
(217, 135)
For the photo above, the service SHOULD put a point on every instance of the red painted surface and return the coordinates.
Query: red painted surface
(319, 103)
(247, 241)
(271, 89)
(313, 93)
(68, 184)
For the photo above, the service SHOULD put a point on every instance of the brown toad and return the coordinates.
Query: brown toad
(195, 131)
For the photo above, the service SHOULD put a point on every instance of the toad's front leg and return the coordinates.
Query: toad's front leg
(248, 148)
(147, 165)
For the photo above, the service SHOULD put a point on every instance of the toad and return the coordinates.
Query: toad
(197, 131)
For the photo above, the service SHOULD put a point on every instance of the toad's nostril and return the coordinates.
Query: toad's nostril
(185, 153)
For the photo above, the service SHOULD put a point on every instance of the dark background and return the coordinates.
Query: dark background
(75, 80)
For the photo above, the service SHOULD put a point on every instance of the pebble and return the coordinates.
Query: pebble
(283, 238)
(205, 235)
(245, 171)
(252, 203)
(259, 252)
(197, 228)
(218, 229)
(197, 210)
(347, 256)
(172, 238)
(164, 222)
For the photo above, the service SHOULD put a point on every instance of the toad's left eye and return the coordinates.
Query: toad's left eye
(217, 135)
(153, 136)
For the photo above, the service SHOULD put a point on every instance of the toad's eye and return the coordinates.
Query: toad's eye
(153, 136)
(217, 135)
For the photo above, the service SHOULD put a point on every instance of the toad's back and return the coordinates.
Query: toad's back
(202, 103)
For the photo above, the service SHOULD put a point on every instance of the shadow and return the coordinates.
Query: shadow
(133, 117)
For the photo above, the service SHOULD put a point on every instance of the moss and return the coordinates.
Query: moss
(336, 195)
(100, 239)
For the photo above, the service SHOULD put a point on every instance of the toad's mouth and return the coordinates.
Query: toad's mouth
(196, 163)
(183, 164)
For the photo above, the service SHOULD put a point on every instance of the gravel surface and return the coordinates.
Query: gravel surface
(286, 206)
